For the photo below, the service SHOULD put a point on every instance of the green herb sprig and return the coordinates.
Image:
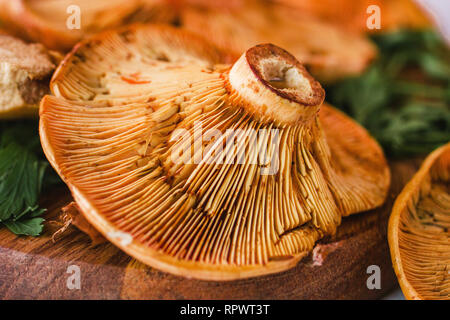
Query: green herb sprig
(23, 173)
(403, 99)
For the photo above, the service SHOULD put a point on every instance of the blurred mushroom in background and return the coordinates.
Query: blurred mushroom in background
(54, 22)
(328, 52)
(352, 15)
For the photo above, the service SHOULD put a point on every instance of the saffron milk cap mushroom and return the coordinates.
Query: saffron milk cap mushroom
(327, 51)
(60, 24)
(419, 230)
(211, 171)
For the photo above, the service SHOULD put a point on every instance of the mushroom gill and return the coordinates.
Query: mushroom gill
(59, 24)
(419, 230)
(202, 169)
(328, 52)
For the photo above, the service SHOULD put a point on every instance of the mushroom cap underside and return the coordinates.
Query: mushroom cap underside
(111, 130)
(419, 230)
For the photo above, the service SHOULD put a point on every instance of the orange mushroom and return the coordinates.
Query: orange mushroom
(419, 230)
(202, 169)
(353, 15)
(59, 24)
(328, 52)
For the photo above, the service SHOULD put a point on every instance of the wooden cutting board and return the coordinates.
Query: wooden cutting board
(38, 268)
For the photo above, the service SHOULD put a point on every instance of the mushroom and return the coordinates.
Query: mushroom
(59, 24)
(328, 52)
(203, 169)
(25, 72)
(419, 230)
(354, 15)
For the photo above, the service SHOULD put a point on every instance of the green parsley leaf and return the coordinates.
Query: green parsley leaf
(23, 171)
(21, 175)
(29, 227)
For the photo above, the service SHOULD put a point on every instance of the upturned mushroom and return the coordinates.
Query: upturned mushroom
(419, 231)
(202, 169)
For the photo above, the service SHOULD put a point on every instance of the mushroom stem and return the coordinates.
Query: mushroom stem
(275, 86)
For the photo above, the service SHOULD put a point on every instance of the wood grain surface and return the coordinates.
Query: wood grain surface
(37, 268)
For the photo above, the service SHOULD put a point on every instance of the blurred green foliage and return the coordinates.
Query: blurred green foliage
(403, 99)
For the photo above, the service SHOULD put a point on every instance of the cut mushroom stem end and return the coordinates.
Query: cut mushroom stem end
(265, 74)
